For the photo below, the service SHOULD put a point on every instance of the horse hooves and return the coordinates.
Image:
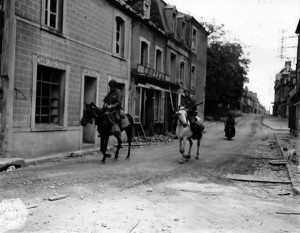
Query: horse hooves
(182, 161)
(187, 156)
(197, 158)
(116, 158)
(108, 155)
(102, 161)
(127, 158)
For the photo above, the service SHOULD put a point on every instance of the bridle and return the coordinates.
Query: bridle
(179, 121)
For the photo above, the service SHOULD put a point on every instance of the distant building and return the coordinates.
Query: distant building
(285, 83)
(249, 103)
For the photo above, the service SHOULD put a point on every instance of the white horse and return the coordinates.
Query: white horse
(184, 132)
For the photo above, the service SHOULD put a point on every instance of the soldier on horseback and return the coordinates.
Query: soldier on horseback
(112, 105)
(190, 105)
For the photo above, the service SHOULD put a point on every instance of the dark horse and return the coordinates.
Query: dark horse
(93, 114)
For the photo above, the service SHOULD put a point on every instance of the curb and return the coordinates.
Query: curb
(49, 158)
(296, 190)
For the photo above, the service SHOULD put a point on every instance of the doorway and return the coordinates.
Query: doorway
(90, 87)
(147, 115)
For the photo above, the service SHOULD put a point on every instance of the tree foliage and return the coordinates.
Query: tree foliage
(227, 68)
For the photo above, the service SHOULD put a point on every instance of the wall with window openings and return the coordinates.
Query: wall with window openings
(54, 46)
(143, 36)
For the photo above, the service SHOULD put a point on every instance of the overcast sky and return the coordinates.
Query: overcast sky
(258, 24)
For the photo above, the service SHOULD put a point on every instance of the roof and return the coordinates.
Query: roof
(122, 5)
(298, 28)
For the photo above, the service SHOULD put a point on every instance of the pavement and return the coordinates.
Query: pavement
(287, 144)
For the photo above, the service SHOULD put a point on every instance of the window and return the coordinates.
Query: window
(144, 54)
(194, 39)
(183, 30)
(193, 77)
(181, 72)
(52, 14)
(146, 10)
(158, 60)
(120, 36)
(49, 98)
(174, 22)
(173, 66)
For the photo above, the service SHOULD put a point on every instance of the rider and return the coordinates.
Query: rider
(230, 121)
(112, 104)
(190, 104)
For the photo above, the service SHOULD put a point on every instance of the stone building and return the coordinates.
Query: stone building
(249, 103)
(285, 82)
(294, 93)
(168, 56)
(56, 55)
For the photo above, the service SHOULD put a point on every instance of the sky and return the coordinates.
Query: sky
(260, 26)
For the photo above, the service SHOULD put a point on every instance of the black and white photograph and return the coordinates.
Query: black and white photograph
(149, 116)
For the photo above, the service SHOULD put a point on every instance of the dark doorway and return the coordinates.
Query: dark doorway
(90, 88)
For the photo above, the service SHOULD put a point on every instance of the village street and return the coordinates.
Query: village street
(151, 192)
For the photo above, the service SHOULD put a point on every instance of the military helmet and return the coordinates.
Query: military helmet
(112, 83)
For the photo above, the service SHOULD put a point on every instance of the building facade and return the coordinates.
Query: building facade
(249, 103)
(295, 93)
(285, 83)
(168, 56)
(58, 54)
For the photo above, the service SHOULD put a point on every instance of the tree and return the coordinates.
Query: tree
(227, 68)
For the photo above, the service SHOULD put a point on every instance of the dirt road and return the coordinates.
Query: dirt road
(153, 193)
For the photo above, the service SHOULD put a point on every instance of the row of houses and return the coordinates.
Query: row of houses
(287, 92)
(249, 103)
(58, 54)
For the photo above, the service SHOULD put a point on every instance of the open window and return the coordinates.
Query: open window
(52, 15)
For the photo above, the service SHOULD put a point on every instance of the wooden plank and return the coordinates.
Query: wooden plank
(277, 162)
(58, 197)
(249, 178)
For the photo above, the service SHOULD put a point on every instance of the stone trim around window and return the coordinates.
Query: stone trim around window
(56, 64)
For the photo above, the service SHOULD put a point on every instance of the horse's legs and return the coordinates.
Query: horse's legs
(103, 148)
(182, 142)
(128, 131)
(119, 146)
(198, 145)
(190, 148)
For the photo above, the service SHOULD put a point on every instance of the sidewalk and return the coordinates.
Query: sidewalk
(286, 142)
(276, 123)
